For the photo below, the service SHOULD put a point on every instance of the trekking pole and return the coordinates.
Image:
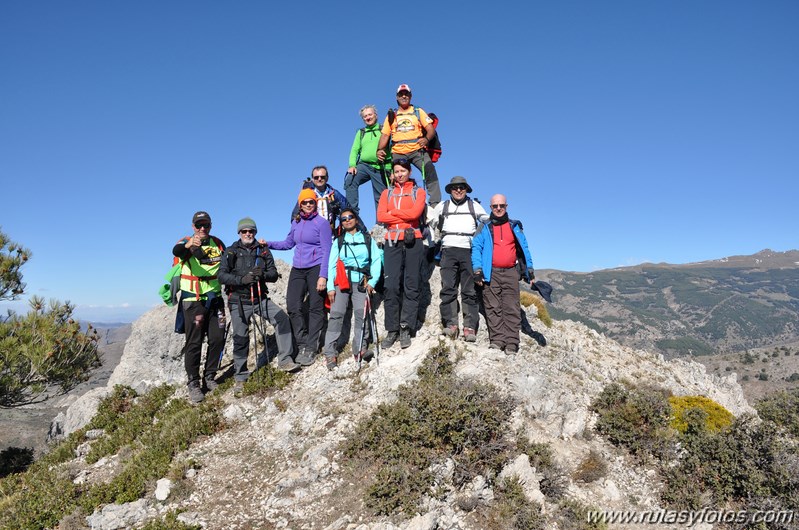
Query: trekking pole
(253, 323)
(373, 325)
(261, 300)
(363, 332)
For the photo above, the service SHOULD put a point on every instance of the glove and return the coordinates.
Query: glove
(248, 278)
(258, 272)
(478, 276)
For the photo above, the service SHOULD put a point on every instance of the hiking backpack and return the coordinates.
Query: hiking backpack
(434, 147)
(445, 213)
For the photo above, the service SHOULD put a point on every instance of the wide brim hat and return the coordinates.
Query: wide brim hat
(455, 181)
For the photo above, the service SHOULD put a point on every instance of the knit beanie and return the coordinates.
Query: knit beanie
(247, 224)
(305, 195)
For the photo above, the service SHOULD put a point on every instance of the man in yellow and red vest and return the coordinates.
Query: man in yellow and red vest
(410, 132)
(202, 303)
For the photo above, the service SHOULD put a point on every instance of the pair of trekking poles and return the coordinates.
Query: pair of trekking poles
(370, 321)
(256, 326)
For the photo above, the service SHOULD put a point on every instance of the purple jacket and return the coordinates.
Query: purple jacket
(313, 238)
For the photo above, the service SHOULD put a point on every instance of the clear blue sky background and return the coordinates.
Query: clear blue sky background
(621, 131)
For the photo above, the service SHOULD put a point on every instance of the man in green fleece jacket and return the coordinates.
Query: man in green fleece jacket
(364, 165)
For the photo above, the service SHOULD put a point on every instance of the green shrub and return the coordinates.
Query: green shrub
(573, 515)
(717, 417)
(553, 481)
(436, 417)
(515, 509)
(169, 522)
(15, 460)
(744, 465)
(635, 418)
(265, 381)
(781, 408)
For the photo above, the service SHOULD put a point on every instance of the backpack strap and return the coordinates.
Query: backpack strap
(445, 213)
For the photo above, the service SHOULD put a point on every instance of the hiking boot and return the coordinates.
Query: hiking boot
(469, 335)
(195, 392)
(304, 358)
(452, 332)
(289, 366)
(391, 338)
(366, 355)
(405, 337)
(511, 349)
(210, 385)
(332, 363)
(238, 389)
(495, 346)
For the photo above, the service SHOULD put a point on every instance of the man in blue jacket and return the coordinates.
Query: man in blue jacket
(498, 247)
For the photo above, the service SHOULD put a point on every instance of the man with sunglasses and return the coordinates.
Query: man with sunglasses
(411, 130)
(246, 267)
(329, 201)
(498, 248)
(457, 220)
(201, 302)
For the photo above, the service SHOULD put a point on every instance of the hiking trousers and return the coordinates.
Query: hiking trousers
(199, 323)
(365, 173)
(336, 320)
(421, 159)
(402, 281)
(241, 313)
(501, 301)
(456, 270)
(306, 334)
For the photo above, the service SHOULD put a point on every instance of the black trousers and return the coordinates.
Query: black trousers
(456, 269)
(402, 268)
(202, 321)
(306, 333)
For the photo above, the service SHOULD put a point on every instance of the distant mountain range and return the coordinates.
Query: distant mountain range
(724, 305)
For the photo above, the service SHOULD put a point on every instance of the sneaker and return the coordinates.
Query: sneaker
(288, 365)
(405, 337)
(391, 338)
(469, 335)
(238, 389)
(452, 332)
(210, 385)
(332, 363)
(512, 348)
(195, 392)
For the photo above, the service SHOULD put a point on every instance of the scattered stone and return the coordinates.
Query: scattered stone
(162, 489)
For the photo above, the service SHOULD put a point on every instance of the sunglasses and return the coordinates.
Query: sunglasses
(202, 226)
(307, 202)
(319, 177)
(498, 206)
(247, 232)
(347, 218)
(458, 187)
(403, 94)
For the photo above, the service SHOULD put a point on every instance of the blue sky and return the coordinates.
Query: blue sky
(621, 131)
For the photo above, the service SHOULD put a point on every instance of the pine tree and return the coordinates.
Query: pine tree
(44, 351)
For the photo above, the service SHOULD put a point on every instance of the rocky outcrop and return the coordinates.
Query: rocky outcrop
(278, 464)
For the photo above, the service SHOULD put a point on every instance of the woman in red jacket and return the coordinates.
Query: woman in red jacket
(400, 209)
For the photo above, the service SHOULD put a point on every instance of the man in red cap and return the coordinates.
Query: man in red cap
(411, 130)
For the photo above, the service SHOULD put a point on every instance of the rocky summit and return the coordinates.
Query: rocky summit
(279, 462)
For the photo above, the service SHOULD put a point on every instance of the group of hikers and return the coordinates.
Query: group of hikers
(338, 266)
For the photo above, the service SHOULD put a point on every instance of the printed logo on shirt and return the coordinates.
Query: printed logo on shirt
(405, 125)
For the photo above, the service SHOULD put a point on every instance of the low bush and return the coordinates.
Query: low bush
(512, 509)
(527, 299)
(265, 381)
(553, 481)
(573, 515)
(592, 468)
(636, 418)
(437, 417)
(782, 408)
